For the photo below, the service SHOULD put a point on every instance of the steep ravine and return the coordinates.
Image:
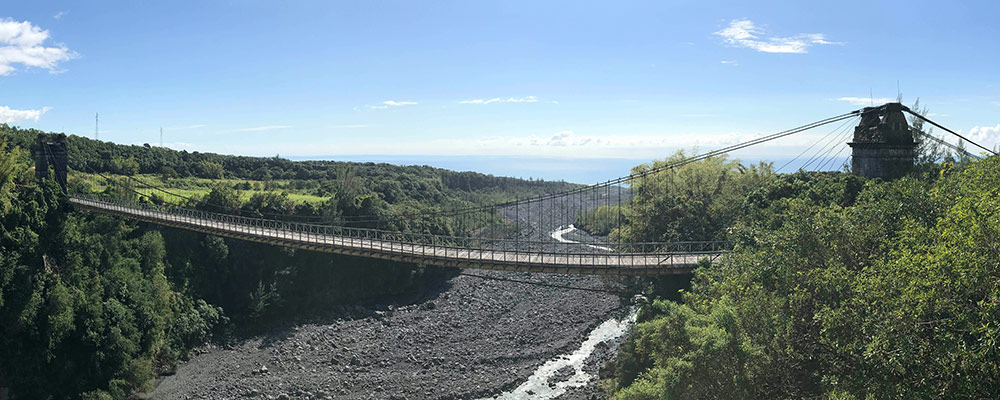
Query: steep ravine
(475, 338)
(478, 338)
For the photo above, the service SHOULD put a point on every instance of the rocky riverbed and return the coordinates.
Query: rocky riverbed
(472, 338)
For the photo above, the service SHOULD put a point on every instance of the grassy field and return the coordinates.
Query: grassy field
(198, 187)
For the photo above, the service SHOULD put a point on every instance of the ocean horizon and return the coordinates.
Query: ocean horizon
(575, 170)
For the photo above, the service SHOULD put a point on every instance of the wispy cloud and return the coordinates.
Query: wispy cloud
(528, 99)
(866, 101)
(392, 103)
(561, 144)
(730, 62)
(22, 43)
(60, 15)
(354, 126)
(9, 115)
(180, 145)
(744, 33)
(182, 128)
(568, 138)
(262, 128)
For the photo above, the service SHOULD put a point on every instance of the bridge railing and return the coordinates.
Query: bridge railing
(416, 244)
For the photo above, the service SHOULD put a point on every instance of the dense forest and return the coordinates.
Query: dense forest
(838, 286)
(94, 306)
(392, 181)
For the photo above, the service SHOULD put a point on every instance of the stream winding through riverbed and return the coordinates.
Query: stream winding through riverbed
(540, 384)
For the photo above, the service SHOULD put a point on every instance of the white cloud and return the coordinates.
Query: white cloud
(9, 115)
(529, 99)
(743, 33)
(392, 103)
(22, 43)
(987, 136)
(866, 101)
(730, 62)
(263, 128)
(60, 14)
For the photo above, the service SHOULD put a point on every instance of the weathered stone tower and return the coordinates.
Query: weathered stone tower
(883, 145)
(51, 149)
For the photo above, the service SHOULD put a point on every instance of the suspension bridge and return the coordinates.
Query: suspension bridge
(528, 235)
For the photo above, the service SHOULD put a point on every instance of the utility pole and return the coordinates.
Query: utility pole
(161, 136)
(97, 135)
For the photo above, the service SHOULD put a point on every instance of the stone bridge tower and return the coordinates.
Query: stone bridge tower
(883, 145)
(51, 149)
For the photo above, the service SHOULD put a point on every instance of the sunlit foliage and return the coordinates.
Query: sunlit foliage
(837, 288)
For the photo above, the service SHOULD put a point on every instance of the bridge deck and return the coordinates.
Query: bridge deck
(590, 263)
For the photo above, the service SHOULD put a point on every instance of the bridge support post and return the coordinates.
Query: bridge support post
(883, 145)
(51, 149)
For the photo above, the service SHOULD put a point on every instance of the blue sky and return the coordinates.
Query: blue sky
(550, 79)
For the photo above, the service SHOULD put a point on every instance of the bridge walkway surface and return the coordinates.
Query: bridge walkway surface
(415, 248)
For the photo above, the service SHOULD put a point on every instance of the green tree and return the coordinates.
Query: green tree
(696, 201)
(221, 199)
(10, 169)
(125, 166)
(210, 170)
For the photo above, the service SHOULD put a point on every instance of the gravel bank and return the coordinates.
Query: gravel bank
(474, 338)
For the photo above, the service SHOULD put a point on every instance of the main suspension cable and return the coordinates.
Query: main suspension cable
(620, 180)
(947, 130)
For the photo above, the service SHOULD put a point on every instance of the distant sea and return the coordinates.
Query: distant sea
(576, 170)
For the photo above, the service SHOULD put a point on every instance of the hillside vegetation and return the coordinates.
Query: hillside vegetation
(838, 287)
